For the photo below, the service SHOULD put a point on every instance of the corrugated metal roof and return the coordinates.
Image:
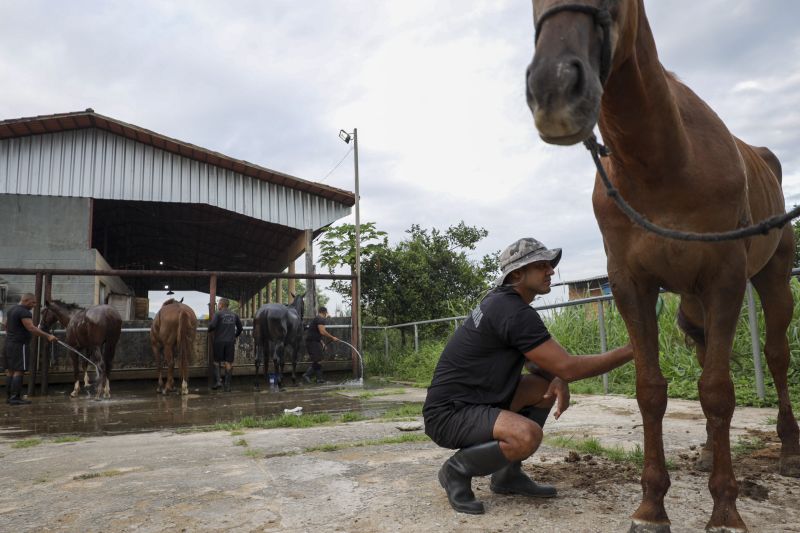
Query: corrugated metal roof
(585, 280)
(88, 155)
(43, 124)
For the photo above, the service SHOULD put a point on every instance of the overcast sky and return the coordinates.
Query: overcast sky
(435, 89)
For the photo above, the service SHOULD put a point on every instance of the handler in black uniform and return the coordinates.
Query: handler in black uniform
(19, 331)
(227, 327)
(480, 402)
(316, 330)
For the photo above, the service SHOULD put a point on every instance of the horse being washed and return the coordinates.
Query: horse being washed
(275, 327)
(675, 162)
(94, 331)
(173, 332)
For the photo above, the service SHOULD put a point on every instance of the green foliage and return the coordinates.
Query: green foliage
(429, 274)
(26, 443)
(577, 329)
(796, 227)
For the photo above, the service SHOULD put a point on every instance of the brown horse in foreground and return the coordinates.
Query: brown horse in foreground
(676, 163)
(173, 331)
(94, 331)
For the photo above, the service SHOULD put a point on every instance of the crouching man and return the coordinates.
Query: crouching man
(480, 403)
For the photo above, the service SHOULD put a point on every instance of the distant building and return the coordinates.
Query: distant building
(586, 288)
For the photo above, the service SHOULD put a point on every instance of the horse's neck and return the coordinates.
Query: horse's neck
(639, 117)
(297, 305)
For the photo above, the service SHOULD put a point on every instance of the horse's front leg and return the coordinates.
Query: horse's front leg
(184, 351)
(636, 301)
(76, 389)
(723, 303)
(295, 351)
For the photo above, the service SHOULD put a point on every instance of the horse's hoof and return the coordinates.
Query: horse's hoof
(725, 530)
(73, 394)
(640, 526)
(790, 466)
(705, 461)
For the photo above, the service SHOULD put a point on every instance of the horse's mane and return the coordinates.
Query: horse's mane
(69, 306)
(170, 301)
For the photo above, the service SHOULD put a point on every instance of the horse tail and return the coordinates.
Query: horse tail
(184, 339)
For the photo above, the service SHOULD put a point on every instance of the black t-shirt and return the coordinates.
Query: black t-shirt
(482, 362)
(313, 329)
(226, 326)
(15, 329)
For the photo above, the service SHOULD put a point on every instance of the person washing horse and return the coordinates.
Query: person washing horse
(227, 327)
(314, 347)
(480, 403)
(19, 332)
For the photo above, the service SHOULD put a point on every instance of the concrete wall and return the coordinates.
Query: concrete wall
(51, 232)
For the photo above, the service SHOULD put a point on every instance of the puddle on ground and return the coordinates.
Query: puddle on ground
(135, 407)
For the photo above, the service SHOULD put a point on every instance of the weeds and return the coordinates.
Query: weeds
(67, 438)
(402, 412)
(92, 475)
(592, 446)
(240, 442)
(26, 443)
(411, 437)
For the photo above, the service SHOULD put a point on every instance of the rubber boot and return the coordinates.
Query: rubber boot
(308, 373)
(511, 479)
(8, 387)
(227, 380)
(320, 379)
(217, 380)
(456, 474)
(16, 388)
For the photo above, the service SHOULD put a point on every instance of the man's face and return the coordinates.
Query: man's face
(30, 303)
(324, 315)
(536, 277)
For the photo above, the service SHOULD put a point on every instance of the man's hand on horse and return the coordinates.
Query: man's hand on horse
(560, 389)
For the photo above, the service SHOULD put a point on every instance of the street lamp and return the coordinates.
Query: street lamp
(346, 137)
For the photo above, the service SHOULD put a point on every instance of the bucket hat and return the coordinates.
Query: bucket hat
(524, 252)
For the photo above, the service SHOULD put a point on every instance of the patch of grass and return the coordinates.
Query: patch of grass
(592, 446)
(237, 432)
(383, 392)
(26, 443)
(745, 446)
(409, 437)
(67, 438)
(352, 417)
(771, 421)
(255, 454)
(282, 421)
(407, 410)
(240, 442)
(92, 475)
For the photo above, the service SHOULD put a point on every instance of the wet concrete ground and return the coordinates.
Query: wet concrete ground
(135, 407)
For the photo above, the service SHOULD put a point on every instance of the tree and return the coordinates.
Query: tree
(427, 275)
(338, 249)
(796, 227)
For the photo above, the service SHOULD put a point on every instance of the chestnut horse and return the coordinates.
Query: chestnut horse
(173, 331)
(275, 327)
(95, 331)
(676, 163)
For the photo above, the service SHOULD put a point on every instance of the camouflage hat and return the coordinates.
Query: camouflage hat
(523, 252)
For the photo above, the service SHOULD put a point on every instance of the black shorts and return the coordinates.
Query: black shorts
(314, 349)
(460, 425)
(223, 352)
(16, 357)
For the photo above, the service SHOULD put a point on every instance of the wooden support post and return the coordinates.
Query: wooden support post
(355, 325)
(269, 292)
(212, 307)
(36, 338)
(311, 284)
(48, 293)
(292, 284)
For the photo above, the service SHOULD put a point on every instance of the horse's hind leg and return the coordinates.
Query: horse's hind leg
(169, 361)
(776, 300)
(691, 320)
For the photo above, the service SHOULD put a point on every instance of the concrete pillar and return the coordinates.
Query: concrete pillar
(212, 307)
(292, 283)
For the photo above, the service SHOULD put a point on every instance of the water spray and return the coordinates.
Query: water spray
(360, 380)
(73, 350)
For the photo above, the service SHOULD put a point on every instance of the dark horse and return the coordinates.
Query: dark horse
(675, 162)
(94, 331)
(275, 327)
(173, 332)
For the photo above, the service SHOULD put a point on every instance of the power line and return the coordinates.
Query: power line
(337, 164)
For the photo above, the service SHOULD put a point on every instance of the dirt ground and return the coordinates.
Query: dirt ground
(170, 481)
